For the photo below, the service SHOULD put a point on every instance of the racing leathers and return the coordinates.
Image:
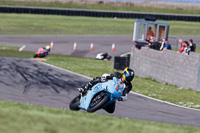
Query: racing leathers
(42, 52)
(104, 78)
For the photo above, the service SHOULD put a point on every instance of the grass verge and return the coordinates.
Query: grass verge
(31, 119)
(26, 24)
(93, 68)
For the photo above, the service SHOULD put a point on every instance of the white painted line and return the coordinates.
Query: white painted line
(163, 101)
(125, 54)
(65, 70)
(21, 48)
(134, 93)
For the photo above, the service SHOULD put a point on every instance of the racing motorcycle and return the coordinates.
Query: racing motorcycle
(100, 96)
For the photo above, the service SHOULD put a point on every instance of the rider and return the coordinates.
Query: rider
(125, 78)
(43, 51)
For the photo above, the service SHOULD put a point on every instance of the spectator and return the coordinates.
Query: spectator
(180, 41)
(153, 44)
(139, 45)
(150, 33)
(167, 45)
(192, 45)
(188, 49)
(185, 48)
(162, 44)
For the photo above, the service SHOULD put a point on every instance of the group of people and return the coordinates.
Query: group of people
(150, 42)
(186, 47)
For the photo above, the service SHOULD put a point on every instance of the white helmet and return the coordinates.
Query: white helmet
(103, 77)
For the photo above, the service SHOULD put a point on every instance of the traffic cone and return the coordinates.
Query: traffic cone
(91, 46)
(113, 47)
(51, 45)
(75, 45)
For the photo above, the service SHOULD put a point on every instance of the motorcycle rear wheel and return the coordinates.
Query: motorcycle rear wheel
(74, 103)
(99, 102)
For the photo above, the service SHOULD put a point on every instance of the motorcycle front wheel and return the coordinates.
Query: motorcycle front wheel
(74, 103)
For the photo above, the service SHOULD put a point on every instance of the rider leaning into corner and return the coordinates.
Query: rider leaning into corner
(43, 51)
(124, 79)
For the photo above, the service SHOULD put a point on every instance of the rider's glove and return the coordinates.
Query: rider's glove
(104, 77)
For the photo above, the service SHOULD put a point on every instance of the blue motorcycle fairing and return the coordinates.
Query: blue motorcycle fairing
(110, 87)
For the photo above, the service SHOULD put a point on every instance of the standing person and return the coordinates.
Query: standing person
(150, 33)
(124, 79)
(43, 51)
(192, 45)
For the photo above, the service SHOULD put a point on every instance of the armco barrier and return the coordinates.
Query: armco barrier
(168, 67)
(91, 13)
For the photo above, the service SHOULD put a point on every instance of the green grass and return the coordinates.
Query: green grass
(30, 119)
(9, 48)
(197, 49)
(14, 51)
(167, 9)
(22, 118)
(26, 24)
(88, 67)
(93, 68)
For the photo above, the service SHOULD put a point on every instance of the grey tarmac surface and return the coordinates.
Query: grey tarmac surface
(64, 44)
(29, 81)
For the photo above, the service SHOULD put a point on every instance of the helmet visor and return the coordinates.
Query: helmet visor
(128, 77)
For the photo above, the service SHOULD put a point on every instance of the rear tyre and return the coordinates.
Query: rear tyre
(110, 108)
(74, 103)
(98, 102)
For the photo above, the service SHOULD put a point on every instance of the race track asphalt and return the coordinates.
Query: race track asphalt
(29, 81)
(64, 44)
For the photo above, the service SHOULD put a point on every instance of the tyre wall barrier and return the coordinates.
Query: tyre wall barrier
(91, 13)
(121, 62)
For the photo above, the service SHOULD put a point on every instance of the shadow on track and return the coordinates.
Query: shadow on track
(28, 81)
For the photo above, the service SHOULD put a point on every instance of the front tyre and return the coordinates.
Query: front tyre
(74, 103)
(98, 102)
